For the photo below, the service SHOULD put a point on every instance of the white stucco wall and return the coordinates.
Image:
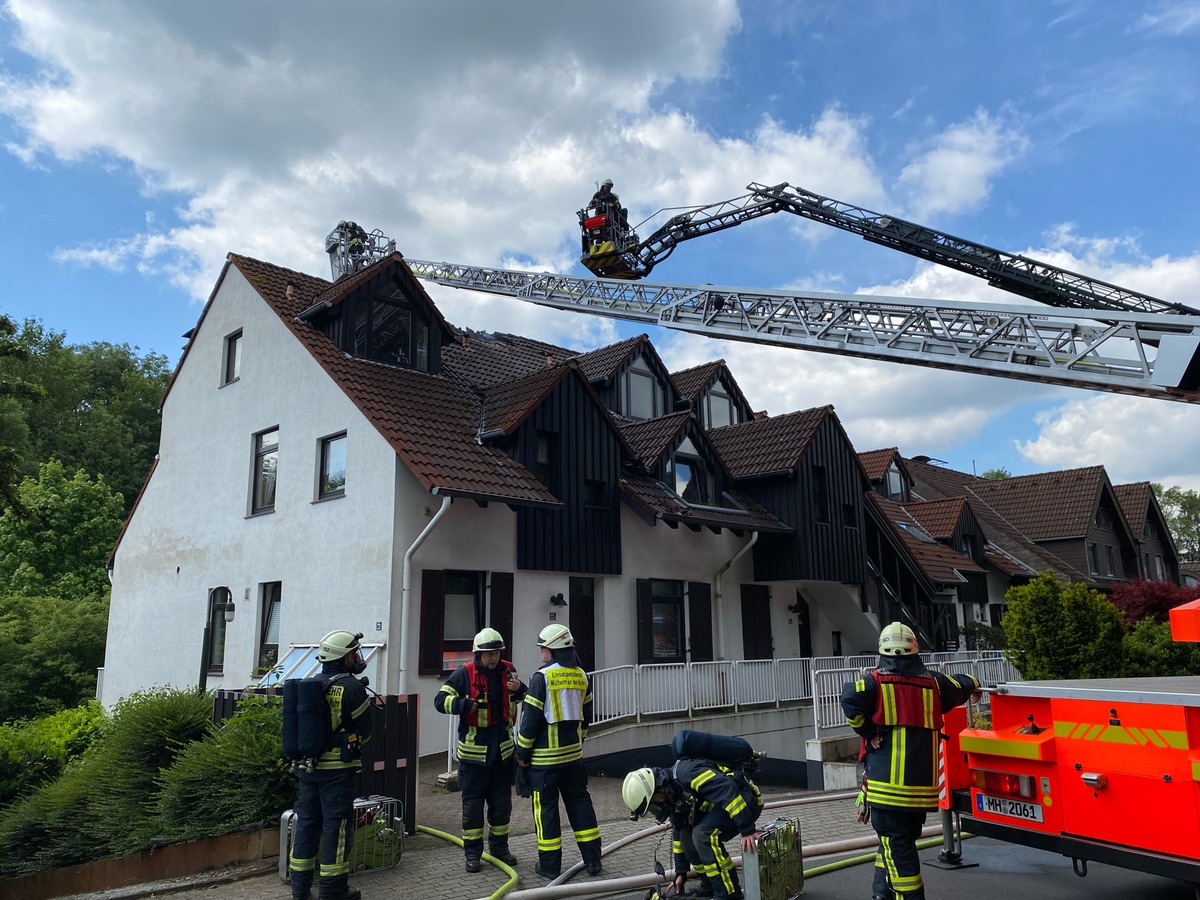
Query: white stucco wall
(191, 530)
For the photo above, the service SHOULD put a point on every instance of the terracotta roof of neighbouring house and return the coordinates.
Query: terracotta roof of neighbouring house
(938, 517)
(431, 421)
(656, 501)
(932, 482)
(1135, 504)
(694, 381)
(768, 445)
(602, 363)
(875, 462)
(1005, 563)
(650, 438)
(939, 562)
(1049, 505)
(482, 360)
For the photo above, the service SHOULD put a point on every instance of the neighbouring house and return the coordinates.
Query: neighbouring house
(1157, 559)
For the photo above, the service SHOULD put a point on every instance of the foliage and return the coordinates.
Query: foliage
(1182, 511)
(48, 827)
(235, 778)
(14, 432)
(53, 648)
(1062, 631)
(38, 750)
(92, 406)
(996, 474)
(60, 544)
(1139, 599)
(980, 636)
(1150, 652)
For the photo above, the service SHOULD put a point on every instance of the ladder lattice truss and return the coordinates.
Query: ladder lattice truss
(1143, 354)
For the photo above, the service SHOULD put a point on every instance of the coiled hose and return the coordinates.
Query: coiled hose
(487, 857)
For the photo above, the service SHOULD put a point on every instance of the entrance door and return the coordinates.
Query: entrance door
(804, 622)
(757, 642)
(582, 613)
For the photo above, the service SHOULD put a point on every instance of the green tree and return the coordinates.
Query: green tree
(92, 406)
(1182, 510)
(1062, 631)
(996, 474)
(14, 432)
(1150, 651)
(60, 544)
(52, 649)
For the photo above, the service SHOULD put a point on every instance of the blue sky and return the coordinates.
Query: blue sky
(143, 141)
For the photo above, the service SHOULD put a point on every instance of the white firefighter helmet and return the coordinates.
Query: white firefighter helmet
(555, 637)
(607, 182)
(897, 639)
(487, 639)
(337, 644)
(637, 790)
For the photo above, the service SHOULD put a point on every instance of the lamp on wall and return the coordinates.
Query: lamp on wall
(229, 610)
(557, 600)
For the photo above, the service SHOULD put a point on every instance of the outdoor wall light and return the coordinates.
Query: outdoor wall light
(229, 610)
(557, 600)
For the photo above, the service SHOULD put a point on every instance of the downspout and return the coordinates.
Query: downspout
(717, 579)
(406, 590)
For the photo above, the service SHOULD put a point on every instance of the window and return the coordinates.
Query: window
(720, 410)
(266, 462)
(820, 494)
(545, 459)
(333, 467)
(463, 617)
(895, 482)
(1104, 519)
(1160, 568)
(642, 393)
(666, 621)
(232, 370)
(692, 479)
(595, 493)
(387, 328)
(268, 644)
(849, 516)
(1111, 562)
(1093, 553)
(1150, 532)
(218, 598)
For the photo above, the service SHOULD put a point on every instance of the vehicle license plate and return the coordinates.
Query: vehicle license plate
(1006, 806)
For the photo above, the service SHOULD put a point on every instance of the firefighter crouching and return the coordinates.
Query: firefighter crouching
(554, 722)
(324, 805)
(707, 804)
(484, 694)
(897, 711)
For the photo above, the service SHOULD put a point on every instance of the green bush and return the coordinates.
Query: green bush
(35, 751)
(235, 778)
(49, 827)
(1149, 651)
(1062, 631)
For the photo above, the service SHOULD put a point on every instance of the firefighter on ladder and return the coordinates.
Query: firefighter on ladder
(897, 710)
(484, 694)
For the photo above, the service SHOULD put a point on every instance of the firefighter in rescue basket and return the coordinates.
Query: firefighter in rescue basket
(897, 710)
(484, 694)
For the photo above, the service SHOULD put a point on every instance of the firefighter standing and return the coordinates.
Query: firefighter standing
(324, 805)
(484, 694)
(557, 712)
(707, 804)
(897, 711)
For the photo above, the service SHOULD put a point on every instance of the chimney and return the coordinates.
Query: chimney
(549, 360)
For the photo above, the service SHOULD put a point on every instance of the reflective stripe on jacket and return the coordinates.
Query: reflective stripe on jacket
(557, 712)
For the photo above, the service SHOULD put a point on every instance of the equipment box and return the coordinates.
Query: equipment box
(776, 871)
(378, 835)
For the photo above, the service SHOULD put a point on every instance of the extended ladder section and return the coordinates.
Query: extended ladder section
(1137, 353)
(1011, 272)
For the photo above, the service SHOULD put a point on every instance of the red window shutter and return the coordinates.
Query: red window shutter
(700, 629)
(645, 622)
(502, 609)
(433, 622)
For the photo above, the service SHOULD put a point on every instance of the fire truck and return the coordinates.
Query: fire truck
(1104, 770)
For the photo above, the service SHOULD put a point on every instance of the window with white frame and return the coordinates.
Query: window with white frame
(266, 464)
(462, 616)
(332, 477)
(232, 368)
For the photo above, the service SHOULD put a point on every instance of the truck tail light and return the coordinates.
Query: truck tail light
(1002, 783)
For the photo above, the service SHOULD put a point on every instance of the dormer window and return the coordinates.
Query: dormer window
(388, 328)
(896, 488)
(693, 480)
(719, 410)
(641, 393)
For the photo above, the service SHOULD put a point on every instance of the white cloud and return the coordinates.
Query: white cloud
(1175, 17)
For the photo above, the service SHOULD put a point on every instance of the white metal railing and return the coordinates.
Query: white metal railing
(755, 681)
(663, 688)
(712, 685)
(793, 679)
(827, 694)
(614, 693)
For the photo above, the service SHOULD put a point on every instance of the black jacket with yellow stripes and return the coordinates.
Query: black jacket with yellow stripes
(903, 771)
(350, 718)
(698, 787)
(488, 739)
(556, 714)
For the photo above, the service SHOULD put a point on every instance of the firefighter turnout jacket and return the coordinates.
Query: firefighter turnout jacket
(349, 719)
(484, 732)
(558, 710)
(902, 704)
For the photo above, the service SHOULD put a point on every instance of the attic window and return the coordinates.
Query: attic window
(641, 394)
(691, 477)
(388, 328)
(719, 410)
(915, 532)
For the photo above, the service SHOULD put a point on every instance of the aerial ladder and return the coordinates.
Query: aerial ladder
(1103, 336)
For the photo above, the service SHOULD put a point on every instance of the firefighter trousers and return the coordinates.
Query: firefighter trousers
(492, 785)
(569, 781)
(897, 864)
(324, 817)
(704, 846)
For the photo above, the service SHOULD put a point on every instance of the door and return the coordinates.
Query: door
(757, 642)
(804, 623)
(582, 616)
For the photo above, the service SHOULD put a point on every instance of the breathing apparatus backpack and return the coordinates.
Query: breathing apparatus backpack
(732, 752)
(307, 729)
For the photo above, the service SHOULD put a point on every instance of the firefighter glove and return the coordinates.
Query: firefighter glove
(524, 782)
